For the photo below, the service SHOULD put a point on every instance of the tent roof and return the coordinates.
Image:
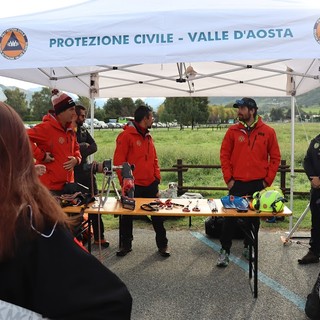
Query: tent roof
(143, 49)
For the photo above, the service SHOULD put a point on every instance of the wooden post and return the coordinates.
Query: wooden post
(180, 177)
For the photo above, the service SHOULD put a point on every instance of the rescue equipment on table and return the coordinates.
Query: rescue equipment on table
(241, 204)
(127, 190)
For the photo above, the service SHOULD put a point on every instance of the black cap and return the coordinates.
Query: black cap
(247, 102)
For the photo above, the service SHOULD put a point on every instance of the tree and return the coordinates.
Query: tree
(17, 100)
(41, 103)
(164, 115)
(187, 111)
(127, 107)
(112, 108)
(139, 102)
(276, 114)
(99, 114)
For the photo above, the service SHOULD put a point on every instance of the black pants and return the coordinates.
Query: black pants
(315, 221)
(240, 189)
(157, 222)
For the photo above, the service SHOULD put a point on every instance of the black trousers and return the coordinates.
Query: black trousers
(315, 221)
(240, 189)
(126, 221)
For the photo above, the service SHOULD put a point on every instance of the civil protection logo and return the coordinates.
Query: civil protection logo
(316, 31)
(13, 43)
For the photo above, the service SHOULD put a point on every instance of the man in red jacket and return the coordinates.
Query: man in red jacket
(54, 143)
(250, 158)
(135, 146)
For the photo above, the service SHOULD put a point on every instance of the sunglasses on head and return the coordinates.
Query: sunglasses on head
(246, 103)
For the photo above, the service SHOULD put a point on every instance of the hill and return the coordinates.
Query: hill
(309, 99)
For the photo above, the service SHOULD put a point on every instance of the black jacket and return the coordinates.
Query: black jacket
(311, 163)
(57, 278)
(84, 138)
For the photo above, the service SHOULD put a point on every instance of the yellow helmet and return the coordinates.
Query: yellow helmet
(269, 200)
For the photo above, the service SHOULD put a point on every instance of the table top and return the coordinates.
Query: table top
(113, 206)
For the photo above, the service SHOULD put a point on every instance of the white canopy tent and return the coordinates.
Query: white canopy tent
(143, 48)
(168, 48)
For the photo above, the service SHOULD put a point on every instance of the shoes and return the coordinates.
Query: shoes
(245, 253)
(164, 252)
(123, 252)
(223, 259)
(310, 257)
(103, 243)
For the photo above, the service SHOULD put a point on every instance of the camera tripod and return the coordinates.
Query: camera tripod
(107, 183)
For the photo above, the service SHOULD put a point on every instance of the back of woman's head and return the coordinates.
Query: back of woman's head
(20, 187)
(15, 153)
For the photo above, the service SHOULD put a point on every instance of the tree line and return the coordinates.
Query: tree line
(187, 111)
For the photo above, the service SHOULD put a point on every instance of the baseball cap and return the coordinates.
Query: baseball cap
(248, 102)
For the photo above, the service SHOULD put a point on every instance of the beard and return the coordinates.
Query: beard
(243, 117)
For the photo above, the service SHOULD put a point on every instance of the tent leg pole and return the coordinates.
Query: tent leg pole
(292, 157)
(295, 227)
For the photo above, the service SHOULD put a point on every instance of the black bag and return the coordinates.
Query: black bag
(213, 227)
(71, 188)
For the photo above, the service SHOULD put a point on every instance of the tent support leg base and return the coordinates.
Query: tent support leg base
(295, 227)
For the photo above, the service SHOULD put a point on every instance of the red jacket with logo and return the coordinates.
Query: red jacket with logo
(138, 150)
(50, 136)
(248, 155)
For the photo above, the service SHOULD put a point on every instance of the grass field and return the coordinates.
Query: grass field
(201, 146)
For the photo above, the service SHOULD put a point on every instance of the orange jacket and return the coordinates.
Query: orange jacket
(50, 136)
(137, 150)
(250, 155)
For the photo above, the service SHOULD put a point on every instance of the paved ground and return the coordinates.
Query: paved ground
(188, 285)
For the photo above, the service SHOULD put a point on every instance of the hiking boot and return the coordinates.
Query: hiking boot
(310, 257)
(245, 253)
(223, 259)
(164, 252)
(123, 252)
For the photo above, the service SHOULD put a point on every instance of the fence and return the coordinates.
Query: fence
(180, 168)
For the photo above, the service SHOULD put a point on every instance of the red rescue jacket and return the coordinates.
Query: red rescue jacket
(137, 150)
(50, 136)
(248, 155)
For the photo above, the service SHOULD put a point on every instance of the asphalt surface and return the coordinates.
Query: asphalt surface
(188, 285)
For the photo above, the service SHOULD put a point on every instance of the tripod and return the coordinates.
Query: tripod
(106, 186)
(127, 188)
(295, 227)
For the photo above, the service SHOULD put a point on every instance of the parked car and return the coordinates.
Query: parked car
(111, 125)
(102, 124)
(86, 125)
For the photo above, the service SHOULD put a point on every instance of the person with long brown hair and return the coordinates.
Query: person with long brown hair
(41, 267)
